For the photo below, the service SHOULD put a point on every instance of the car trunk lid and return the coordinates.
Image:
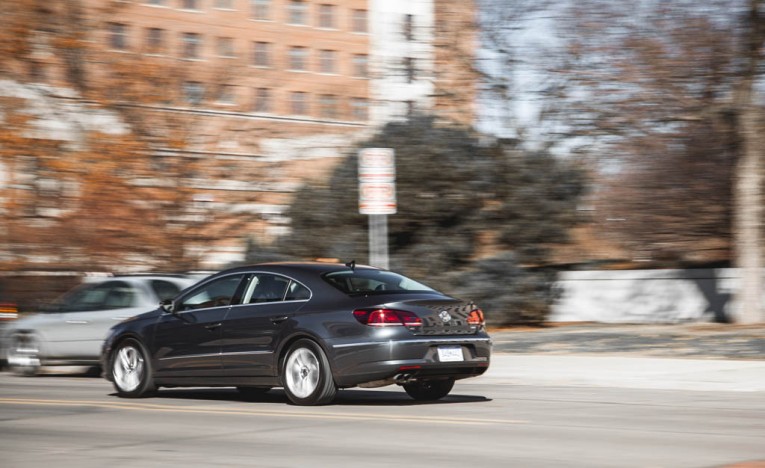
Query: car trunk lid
(443, 316)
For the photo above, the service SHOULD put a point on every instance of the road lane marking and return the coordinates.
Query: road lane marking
(260, 412)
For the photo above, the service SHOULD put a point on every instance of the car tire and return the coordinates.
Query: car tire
(131, 370)
(306, 375)
(429, 390)
(24, 355)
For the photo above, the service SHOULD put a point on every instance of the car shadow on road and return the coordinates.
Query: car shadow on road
(347, 397)
(76, 372)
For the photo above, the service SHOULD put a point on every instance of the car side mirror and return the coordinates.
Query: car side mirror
(168, 305)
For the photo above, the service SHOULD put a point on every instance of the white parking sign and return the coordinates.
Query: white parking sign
(377, 181)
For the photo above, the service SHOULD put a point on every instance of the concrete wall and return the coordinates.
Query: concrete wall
(646, 296)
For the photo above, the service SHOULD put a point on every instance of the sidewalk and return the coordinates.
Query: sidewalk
(696, 340)
(702, 357)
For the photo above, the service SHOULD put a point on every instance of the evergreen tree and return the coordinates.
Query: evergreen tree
(469, 216)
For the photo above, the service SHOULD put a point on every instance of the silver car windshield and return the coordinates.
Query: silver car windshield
(360, 281)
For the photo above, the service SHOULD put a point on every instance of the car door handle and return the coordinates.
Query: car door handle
(77, 322)
(213, 326)
(278, 320)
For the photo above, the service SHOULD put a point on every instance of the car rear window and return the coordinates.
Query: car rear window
(98, 296)
(359, 281)
(165, 289)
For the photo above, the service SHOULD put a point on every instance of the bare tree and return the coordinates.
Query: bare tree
(748, 188)
(666, 94)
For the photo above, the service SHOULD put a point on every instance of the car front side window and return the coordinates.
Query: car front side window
(216, 293)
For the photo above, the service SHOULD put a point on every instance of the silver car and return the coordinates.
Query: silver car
(71, 331)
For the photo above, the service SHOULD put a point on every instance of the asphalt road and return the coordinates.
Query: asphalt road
(503, 419)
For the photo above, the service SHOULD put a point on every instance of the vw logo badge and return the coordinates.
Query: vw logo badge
(445, 317)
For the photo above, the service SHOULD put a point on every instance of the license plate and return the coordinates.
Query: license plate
(23, 361)
(450, 353)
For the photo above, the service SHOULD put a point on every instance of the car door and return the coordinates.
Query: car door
(78, 329)
(187, 342)
(252, 329)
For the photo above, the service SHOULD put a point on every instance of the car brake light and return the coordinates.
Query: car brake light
(8, 311)
(387, 318)
(475, 317)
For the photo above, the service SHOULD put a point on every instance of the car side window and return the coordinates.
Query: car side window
(297, 292)
(266, 287)
(119, 295)
(217, 293)
(101, 296)
(165, 289)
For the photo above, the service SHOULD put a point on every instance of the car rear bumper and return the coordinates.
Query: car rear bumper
(378, 362)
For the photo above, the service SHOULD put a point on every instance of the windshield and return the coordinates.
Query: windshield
(354, 282)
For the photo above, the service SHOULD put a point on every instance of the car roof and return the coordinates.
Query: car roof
(314, 267)
(181, 279)
(308, 273)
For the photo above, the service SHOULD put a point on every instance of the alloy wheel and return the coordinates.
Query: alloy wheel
(302, 372)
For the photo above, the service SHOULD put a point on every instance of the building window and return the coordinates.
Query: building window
(262, 54)
(411, 108)
(193, 92)
(328, 106)
(226, 94)
(118, 39)
(408, 27)
(299, 103)
(224, 4)
(40, 44)
(190, 4)
(360, 66)
(359, 21)
(298, 60)
(328, 61)
(327, 16)
(359, 109)
(155, 40)
(263, 100)
(261, 9)
(37, 72)
(297, 12)
(192, 43)
(409, 69)
(225, 47)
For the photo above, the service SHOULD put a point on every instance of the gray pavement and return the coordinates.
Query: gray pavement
(503, 419)
(634, 372)
(693, 357)
(692, 340)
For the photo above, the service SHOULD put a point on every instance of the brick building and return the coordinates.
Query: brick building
(276, 91)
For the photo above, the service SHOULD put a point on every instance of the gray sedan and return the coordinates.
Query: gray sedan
(311, 328)
(71, 330)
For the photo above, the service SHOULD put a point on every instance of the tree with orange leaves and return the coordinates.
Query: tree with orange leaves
(79, 147)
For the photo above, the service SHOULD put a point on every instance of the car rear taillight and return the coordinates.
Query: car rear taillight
(8, 312)
(475, 317)
(387, 318)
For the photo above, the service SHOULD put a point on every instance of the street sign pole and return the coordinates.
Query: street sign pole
(378, 241)
(377, 199)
